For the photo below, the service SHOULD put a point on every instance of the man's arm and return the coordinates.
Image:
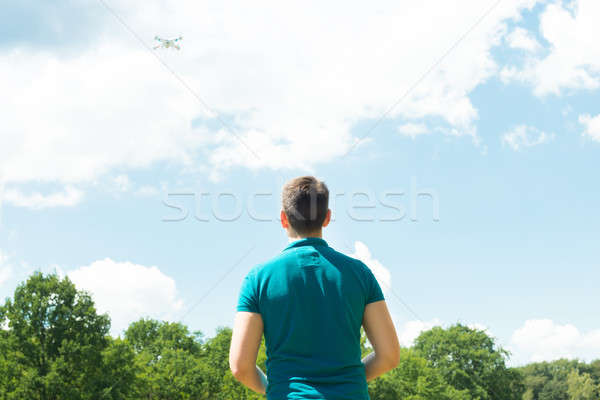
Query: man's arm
(382, 335)
(245, 341)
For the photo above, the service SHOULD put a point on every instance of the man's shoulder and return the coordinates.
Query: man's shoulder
(269, 265)
(332, 255)
(341, 258)
(289, 256)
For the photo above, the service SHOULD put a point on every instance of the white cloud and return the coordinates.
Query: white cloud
(382, 274)
(99, 110)
(122, 183)
(478, 326)
(525, 136)
(147, 191)
(409, 331)
(128, 291)
(290, 83)
(413, 130)
(1, 198)
(573, 61)
(522, 39)
(592, 126)
(5, 268)
(546, 340)
(69, 197)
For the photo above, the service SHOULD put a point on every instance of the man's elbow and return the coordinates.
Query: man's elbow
(239, 371)
(393, 358)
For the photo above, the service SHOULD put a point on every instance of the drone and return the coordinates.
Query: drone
(167, 43)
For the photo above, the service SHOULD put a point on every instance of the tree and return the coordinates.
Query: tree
(10, 371)
(217, 356)
(468, 359)
(174, 364)
(155, 336)
(414, 379)
(169, 361)
(549, 380)
(55, 342)
(581, 386)
(594, 371)
(119, 371)
(365, 347)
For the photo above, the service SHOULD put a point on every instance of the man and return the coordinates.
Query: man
(310, 301)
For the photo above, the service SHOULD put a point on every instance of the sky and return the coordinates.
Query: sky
(459, 140)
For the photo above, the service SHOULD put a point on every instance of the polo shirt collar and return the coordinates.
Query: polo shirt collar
(309, 241)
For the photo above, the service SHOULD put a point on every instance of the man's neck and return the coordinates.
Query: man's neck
(299, 237)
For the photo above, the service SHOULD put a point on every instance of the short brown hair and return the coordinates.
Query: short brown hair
(305, 202)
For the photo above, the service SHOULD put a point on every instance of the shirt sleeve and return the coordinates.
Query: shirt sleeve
(375, 293)
(248, 299)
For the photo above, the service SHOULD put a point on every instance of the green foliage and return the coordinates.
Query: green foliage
(155, 336)
(54, 345)
(217, 356)
(118, 371)
(55, 342)
(581, 386)
(594, 370)
(550, 380)
(468, 359)
(414, 379)
(364, 348)
(174, 364)
(168, 361)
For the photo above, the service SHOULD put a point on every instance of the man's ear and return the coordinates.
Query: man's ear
(327, 218)
(284, 220)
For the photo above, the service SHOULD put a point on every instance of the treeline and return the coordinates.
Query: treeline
(55, 346)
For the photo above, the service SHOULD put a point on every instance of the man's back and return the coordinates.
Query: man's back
(311, 300)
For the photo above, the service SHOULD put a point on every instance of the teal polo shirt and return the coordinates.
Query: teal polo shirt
(312, 300)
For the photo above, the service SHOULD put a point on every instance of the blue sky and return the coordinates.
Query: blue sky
(504, 134)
